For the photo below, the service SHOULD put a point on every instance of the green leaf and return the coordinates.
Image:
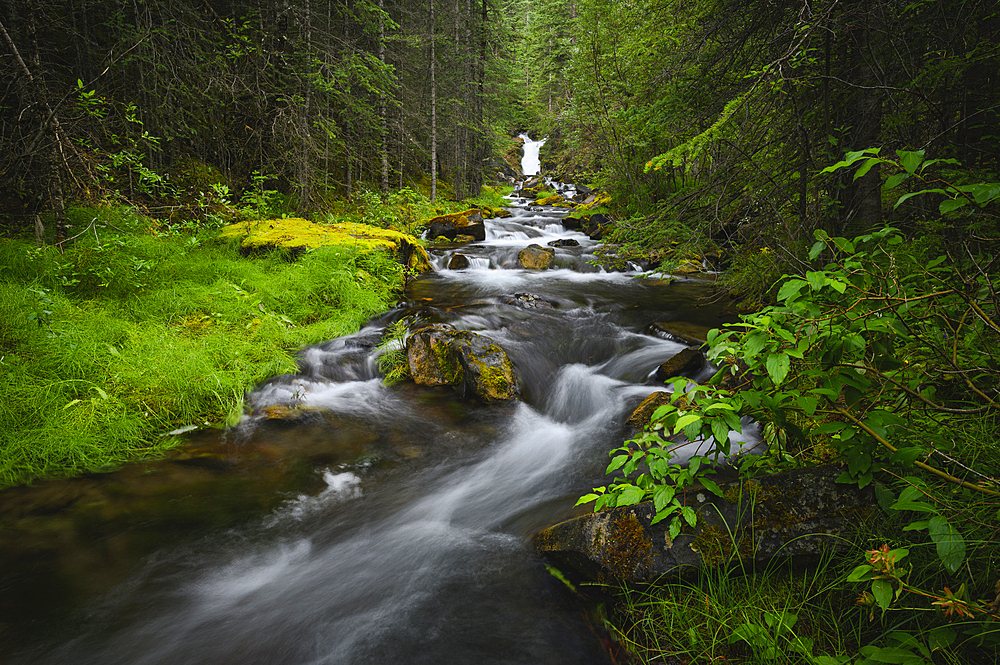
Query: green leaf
(616, 462)
(816, 249)
(586, 498)
(791, 288)
(675, 528)
(663, 495)
(904, 197)
(882, 590)
(910, 159)
(866, 167)
(720, 431)
(690, 516)
(817, 280)
(808, 404)
(896, 180)
(686, 420)
(860, 573)
(777, 365)
(631, 495)
(941, 637)
(711, 486)
(950, 544)
(948, 205)
(907, 456)
(920, 525)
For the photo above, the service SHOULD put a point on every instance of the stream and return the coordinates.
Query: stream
(347, 521)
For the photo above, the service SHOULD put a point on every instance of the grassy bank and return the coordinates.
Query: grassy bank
(127, 335)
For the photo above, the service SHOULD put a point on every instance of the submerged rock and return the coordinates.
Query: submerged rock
(536, 257)
(439, 355)
(795, 513)
(563, 242)
(528, 301)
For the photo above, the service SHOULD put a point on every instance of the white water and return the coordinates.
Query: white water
(530, 163)
(419, 551)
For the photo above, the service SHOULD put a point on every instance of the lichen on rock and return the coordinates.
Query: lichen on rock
(439, 355)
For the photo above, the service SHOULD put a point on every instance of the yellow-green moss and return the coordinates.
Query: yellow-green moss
(628, 546)
(295, 232)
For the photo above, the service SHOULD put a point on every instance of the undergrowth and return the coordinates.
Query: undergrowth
(125, 336)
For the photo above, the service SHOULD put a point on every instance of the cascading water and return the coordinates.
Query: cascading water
(390, 524)
(531, 163)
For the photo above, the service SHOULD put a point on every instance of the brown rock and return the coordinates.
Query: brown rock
(685, 363)
(439, 355)
(795, 513)
(458, 262)
(469, 222)
(681, 332)
(536, 257)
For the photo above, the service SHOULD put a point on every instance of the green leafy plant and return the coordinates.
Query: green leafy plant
(392, 361)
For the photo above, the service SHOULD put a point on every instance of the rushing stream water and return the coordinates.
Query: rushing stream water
(382, 524)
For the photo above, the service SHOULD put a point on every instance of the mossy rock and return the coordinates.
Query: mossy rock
(295, 233)
(468, 222)
(536, 257)
(439, 355)
(550, 200)
(795, 513)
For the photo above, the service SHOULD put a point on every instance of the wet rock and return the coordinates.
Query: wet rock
(536, 257)
(439, 355)
(572, 223)
(681, 332)
(458, 262)
(469, 223)
(528, 301)
(642, 413)
(796, 513)
(582, 192)
(685, 363)
(564, 242)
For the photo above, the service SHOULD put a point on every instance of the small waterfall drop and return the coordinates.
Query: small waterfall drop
(530, 163)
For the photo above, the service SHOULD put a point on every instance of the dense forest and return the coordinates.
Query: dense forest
(716, 117)
(837, 162)
(152, 103)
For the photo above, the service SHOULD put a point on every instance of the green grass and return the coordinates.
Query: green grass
(112, 344)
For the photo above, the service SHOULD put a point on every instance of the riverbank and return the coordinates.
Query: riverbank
(113, 343)
(126, 338)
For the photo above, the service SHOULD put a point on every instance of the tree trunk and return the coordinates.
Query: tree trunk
(434, 155)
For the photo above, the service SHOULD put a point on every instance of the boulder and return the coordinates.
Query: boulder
(795, 513)
(439, 355)
(297, 235)
(458, 262)
(469, 223)
(681, 332)
(528, 301)
(685, 363)
(536, 257)
(582, 192)
(563, 242)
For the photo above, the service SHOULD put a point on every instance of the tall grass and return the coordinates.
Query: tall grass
(129, 335)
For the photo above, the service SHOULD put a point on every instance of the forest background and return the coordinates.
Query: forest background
(759, 137)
